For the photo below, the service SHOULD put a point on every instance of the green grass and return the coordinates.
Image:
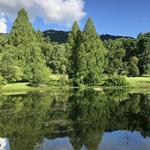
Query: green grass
(17, 87)
(137, 84)
(58, 77)
(23, 88)
(139, 81)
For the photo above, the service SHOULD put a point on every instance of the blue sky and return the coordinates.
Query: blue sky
(120, 17)
(116, 17)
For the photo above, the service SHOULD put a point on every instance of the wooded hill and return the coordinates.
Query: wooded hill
(60, 36)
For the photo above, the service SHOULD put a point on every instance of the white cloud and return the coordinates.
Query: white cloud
(55, 11)
(3, 24)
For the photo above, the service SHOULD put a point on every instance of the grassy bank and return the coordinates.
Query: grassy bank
(17, 88)
(139, 82)
(58, 81)
(136, 83)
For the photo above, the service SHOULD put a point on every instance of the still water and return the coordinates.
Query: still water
(75, 120)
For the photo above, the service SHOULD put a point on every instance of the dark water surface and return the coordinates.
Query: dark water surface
(75, 120)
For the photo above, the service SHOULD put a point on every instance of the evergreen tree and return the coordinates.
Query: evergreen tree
(11, 67)
(72, 46)
(22, 31)
(23, 54)
(91, 56)
(36, 71)
(3, 41)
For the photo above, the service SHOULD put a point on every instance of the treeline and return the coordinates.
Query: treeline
(27, 55)
(61, 37)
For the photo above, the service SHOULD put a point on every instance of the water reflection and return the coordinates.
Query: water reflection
(124, 140)
(55, 144)
(4, 144)
(76, 120)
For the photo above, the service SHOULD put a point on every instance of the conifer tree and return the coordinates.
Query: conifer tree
(91, 56)
(72, 46)
(22, 31)
(27, 55)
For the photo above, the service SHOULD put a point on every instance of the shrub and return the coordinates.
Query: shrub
(116, 81)
(58, 80)
(64, 80)
(2, 81)
(12, 73)
(134, 70)
(40, 76)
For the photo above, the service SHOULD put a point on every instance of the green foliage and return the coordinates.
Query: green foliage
(10, 66)
(22, 59)
(57, 59)
(116, 53)
(36, 71)
(55, 55)
(139, 82)
(91, 56)
(144, 53)
(22, 31)
(13, 74)
(3, 41)
(72, 48)
(116, 81)
(123, 58)
(131, 48)
(2, 81)
(133, 69)
(58, 80)
(131, 59)
(26, 56)
(40, 75)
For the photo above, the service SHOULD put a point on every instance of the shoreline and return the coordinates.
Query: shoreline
(136, 84)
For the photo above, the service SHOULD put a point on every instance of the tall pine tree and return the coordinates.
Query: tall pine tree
(27, 55)
(22, 31)
(91, 56)
(72, 46)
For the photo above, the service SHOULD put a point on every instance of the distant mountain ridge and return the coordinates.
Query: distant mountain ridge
(56, 36)
(60, 36)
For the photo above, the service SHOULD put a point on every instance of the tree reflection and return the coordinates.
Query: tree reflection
(83, 115)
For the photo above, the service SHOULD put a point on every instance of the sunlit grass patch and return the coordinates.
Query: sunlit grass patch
(139, 81)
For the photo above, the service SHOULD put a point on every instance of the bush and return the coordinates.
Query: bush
(58, 80)
(116, 81)
(64, 80)
(2, 81)
(40, 76)
(134, 70)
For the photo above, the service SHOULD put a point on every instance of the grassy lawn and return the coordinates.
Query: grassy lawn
(136, 83)
(139, 81)
(55, 81)
(17, 87)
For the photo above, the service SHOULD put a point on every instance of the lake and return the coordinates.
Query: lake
(63, 119)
